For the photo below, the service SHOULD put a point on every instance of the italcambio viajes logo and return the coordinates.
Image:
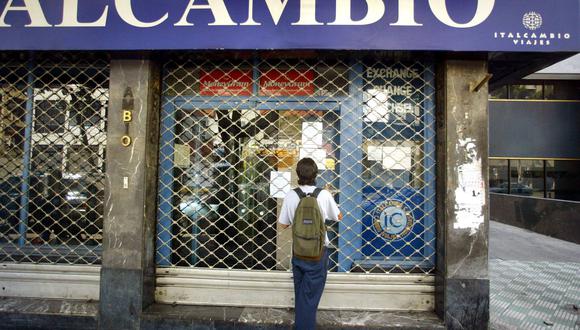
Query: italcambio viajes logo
(532, 20)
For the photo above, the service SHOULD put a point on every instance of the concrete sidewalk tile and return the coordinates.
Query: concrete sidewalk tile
(534, 295)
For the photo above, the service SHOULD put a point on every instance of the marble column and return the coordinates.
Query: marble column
(462, 195)
(128, 268)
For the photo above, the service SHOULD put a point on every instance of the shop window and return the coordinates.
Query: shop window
(225, 161)
(551, 177)
(331, 80)
(50, 116)
(47, 159)
(499, 93)
(229, 149)
(563, 179)
(552, 90)
(526, 92)
(12, 125)
(498, 176)
(87, 108)
(527, 177)
(556, 179)
(549, 92)
(52, 124)
(565, 90)
(392, 164)
(82, 160)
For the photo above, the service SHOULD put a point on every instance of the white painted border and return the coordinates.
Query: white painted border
(50, 281)
(371, 292)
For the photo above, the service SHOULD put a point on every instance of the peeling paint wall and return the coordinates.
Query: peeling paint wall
(470, 191)
(462, 204)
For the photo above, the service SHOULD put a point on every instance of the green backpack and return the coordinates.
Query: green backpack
(308, 228)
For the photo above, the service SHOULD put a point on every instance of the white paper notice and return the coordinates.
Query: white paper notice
(397, 158)
(392, 158)
(279, 183)
(375, 153)
(318, 155)
(312, 134)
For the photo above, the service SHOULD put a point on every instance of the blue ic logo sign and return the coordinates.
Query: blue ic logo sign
(392, 220)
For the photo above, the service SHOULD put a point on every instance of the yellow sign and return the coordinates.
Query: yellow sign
(330, 164)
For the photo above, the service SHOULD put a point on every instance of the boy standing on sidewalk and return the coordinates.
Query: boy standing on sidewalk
(309, 275)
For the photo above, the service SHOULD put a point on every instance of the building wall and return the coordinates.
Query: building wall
(128, 266)
(556, 218)
(535, 156)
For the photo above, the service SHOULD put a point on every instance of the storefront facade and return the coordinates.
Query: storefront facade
(218, 204)
(148, 178)
(536, 185)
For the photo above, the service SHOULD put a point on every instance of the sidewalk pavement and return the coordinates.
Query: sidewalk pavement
(534, 280)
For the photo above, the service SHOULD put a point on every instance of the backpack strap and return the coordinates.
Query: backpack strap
(300, 193)
(316, 192)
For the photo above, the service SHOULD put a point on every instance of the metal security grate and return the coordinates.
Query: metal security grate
(233, 130)
(52, 135)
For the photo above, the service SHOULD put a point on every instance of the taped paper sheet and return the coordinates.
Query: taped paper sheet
(312, 134)
(279, 183)
(318, 155)
(469, 195)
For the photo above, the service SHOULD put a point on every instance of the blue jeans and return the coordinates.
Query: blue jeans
(309, 281)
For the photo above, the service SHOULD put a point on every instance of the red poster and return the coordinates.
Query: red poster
(287, 83)
(226, 83)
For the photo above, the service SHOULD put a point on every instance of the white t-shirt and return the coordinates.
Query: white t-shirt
(326, 203)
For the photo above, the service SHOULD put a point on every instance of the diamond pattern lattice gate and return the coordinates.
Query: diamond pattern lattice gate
(52, 136)
(232, 133)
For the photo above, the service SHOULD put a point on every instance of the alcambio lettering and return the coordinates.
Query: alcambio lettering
(125, 11)
(70, 16)
(34, 10)
(375, 11)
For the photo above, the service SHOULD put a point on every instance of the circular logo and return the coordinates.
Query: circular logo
(392, 220)
(532, 20)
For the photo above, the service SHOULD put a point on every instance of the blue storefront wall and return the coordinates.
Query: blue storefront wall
(358, 243)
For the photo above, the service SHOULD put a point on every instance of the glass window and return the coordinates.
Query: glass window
(498, 176)
(12, 128)
(549, 93)
(47, 159)
(563, 179)
(226, 161)
(394, 164)
(82, 159)
(499, 93)
(50, 116)
(526, 92)
(87, 107)
(52, 160)
(225, 167)
(393, 116)
(527, 177)
(564, 90)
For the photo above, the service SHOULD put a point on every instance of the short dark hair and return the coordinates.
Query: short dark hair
(307, 171)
